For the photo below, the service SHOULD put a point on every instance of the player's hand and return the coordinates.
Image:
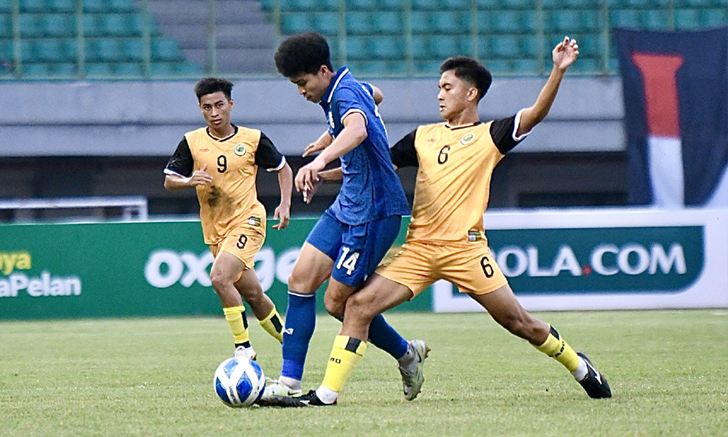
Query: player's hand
(313, 148)
(308, 175)
(200, 177)
(308, 194)
(282, 213)
(565, 53)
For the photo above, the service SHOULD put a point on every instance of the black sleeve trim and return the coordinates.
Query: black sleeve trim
(503, 132)
(181, 162)
(404, 153)
(267, 156)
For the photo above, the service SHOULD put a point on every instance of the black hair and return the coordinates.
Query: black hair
(302, 53)
(469, 70)
(210, 85)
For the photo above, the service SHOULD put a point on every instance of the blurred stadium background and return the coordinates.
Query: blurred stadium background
(97, 93)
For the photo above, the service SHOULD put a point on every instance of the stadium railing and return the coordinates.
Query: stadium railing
(41, 39)
(131, 207)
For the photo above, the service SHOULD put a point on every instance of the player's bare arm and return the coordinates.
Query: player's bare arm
(200, 177)
(377, 95)
(283, 211)
(320, 144)
(564, 54)
(354, 132)
(333, 175)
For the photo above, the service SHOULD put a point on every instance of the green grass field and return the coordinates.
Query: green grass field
(153, 377)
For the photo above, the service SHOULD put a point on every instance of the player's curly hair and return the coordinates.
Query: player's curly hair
(211, 85)
(469, 70)
(302, 53)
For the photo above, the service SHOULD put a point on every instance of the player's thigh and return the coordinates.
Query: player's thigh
(413, 267)
(362, 248)
(471, 267)
(378, 295)
(312, 268)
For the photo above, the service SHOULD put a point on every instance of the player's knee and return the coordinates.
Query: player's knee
(359, 305)
(219, 281)
(334, 306)
(301, 282)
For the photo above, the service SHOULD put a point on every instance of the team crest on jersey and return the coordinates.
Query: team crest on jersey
(467, 139)
(239, 149)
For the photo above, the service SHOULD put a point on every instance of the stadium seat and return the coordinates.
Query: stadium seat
(624, 18)
(590, 45)
(103, 50)
(498, 66)
(530, 47)
(383, 47)
(361, 5)
(686, 19)
(165, 49)
(525, 66)
(358, 23)
(356, 48)
(91, 26)
(504, 46)
(32, 6)
(63, 69)
(96, 6)
(300, 5)
(397, 5)
(421, 47)
(326, 23)
(5, 6)
(713, 17)
(61, 5)
(530, 22)
(388, 23)
(132, 49)
(29, 27)
(429, 5)
(579, 4)
(460, 5)
(502, 21)
(58, 25)
(112, 24)
(128, 69)
(6, 26)
(120, 5)
(6, 49)
(421, 22)
(35, 71)
(428, 67)
(451, 22)
(49, 50)
(135, 25)
(444, 46)
(96, 69)
(655, 19)
(295, 23)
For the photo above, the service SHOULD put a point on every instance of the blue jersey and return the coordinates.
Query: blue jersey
(371, 189)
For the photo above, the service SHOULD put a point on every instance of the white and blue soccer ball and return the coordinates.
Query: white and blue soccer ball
(239, 382)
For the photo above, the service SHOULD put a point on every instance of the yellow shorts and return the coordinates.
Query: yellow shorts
(244, 241)
(468, 265)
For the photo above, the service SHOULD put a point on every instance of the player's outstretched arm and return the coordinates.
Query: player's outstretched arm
(377, 94)
(200, 177)
(354, 132)
(320, 144)
(283, 211)
(564, 54)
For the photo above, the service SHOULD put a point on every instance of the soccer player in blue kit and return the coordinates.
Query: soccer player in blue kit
(355, 232)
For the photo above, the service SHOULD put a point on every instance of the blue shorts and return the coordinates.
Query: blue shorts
(356, 250)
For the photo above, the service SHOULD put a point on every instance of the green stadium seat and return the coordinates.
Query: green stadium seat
(460, 5)
(175, 69)
(132, 49)
(529, 22)
(33, 6)
(483, 51)
(383, 47)
(29, 26)
(517, 4)
(428, 66)
(713, 17)
(166, 49)
(295, 23)
(624, 18)
(6, 26)
(429, 5)
(504, 46)
(135, 25)
(6, 49)
(95, 6)
(300, 5)
(525, 66)
(120, 5)
(91, 27)
(103, 49)
(580, 4)
(61, 5)
(99, 69)
(358, 23)
(388, 23)
(357, 48)
(326, 23)
(587, 65)
(687, 19)
(128, 69)
(58, 25)
(35, 71)
(451, 22)
(112, 24)
(590, 45)
(445, 46)
(498, 66)
(361, 5)
(397, 5)
(63, 69)
(654, 19)
(421, 47)
(501, 21)
(49, 50)
(421, 22)
(530, 47)
(5, 7)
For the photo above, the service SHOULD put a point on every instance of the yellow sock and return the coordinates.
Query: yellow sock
(235, 317)
(560, 350)
(345, 355)
(273, 325)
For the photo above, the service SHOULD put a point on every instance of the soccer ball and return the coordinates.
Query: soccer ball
(239, 382)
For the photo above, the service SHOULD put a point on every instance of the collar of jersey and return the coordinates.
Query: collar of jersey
(463, 127)
(343, 71)
(235, 132)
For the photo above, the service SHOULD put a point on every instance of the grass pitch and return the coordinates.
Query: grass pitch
(153, 377)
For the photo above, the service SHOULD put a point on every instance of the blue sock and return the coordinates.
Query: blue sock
(300, 323)
(383, 336)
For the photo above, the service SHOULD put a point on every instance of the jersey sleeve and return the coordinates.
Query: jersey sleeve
(368, 88)
(404, 153)
(267, 156)
(504, 131)
(181, 163)
(347, 101)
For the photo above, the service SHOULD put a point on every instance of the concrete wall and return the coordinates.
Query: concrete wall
(149, 118)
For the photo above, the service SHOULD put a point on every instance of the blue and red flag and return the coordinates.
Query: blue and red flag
(676, 115)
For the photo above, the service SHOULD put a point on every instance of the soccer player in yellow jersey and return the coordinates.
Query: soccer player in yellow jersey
(446, 238)
(221, 162)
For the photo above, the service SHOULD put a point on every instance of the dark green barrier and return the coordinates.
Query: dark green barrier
(132, 269)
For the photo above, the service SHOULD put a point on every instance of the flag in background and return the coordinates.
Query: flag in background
(676, 115)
